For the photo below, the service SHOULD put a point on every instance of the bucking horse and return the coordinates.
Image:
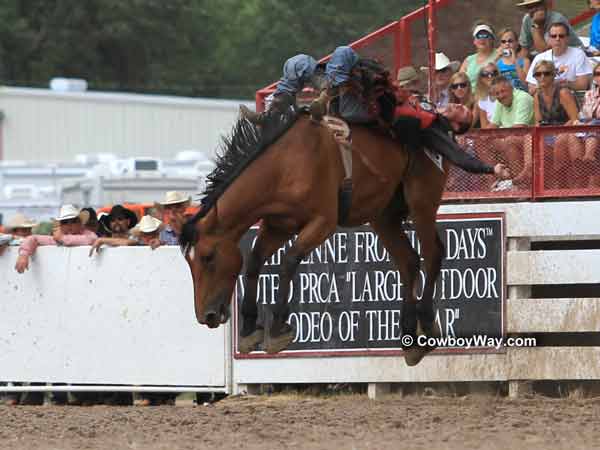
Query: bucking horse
(287, 175)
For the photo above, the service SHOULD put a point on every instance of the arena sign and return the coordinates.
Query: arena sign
(346, 297)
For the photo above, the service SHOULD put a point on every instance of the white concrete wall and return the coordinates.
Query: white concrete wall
(42, 125)
(124, 317)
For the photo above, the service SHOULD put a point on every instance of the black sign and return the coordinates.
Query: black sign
(346, 297)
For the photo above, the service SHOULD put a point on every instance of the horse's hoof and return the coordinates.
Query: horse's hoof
(275, 344)
(248, 343)
(414, 354)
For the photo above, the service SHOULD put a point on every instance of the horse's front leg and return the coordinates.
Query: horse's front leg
(281, 334)
(268, 241)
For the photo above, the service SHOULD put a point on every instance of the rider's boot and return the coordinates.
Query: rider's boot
(280, 103)
(318, 108)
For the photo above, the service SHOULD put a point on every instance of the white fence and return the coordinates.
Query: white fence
(123, 317)
(126, 317)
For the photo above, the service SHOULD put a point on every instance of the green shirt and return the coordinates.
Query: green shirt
(519, 113)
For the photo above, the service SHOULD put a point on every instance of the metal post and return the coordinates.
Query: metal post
(431, 29)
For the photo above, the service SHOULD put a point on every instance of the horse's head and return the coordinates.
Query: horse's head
(215, 261)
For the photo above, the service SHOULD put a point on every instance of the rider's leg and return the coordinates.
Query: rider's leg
(337, 72)
(280, 103)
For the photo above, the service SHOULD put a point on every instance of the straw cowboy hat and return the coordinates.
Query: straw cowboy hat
(19, 221)
(530, 2)
(68, 212)
(407, 75)
(174, 197)
(442, 61)
(147, 224)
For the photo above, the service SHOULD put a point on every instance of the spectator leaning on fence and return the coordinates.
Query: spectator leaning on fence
(514, 108)
(573, 69)
(118, 224)
(17, 229)
(536, 25)
(68, 231)
(174, 206)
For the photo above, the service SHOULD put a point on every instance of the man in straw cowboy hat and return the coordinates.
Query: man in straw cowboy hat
(17, 229)
(173, 207)
(536, 26)
(68, 231)
(444, 69)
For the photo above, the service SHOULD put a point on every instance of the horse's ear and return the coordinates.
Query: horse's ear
(208, 222)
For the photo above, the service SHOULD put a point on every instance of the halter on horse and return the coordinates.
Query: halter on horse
(286, 175)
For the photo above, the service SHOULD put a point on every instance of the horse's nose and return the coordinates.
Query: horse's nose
(211, 319)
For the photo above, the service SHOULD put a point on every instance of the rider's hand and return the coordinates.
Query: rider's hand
(22, 263)
(501, 171)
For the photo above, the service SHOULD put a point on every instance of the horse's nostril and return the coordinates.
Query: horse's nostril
(210, 317)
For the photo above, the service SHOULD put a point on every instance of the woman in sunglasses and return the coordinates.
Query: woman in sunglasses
(556, 105)
(483, 39)
(509, 64)
(590, 115)
(462, 94)
(486, 103)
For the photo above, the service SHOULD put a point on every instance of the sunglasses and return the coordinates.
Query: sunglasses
(558, 36)
(483, 35)
(543, 73)
(459, 85)
(507, 41)
(487, 74)
(70, 221)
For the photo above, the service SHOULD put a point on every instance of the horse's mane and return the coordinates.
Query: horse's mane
(236, 151)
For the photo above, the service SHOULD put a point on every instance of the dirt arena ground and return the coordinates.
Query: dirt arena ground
(284, 421)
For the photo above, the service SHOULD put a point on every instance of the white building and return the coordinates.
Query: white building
(48, 125)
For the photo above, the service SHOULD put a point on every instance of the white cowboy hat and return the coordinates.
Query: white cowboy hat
(174, 197)
(147, 224)
(19, 221)
(529, 2)
(442, 61)
(70, 212)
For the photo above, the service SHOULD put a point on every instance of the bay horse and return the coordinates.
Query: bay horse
(286, 175)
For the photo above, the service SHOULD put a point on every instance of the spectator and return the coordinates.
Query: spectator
(483, 39)
(486, 103)
(174, 206)
(514, 108)
(510, 64)
(18, 228)
(556, 105)
(462, 94)
(536, 25)
(590, 115)
(68, 231)
(444, 69)
(92, 222)
(573, 69)
(408, 78)
(594, 48)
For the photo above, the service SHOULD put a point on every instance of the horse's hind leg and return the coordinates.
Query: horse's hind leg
(267, 242)
(281, 334)
(390, 231)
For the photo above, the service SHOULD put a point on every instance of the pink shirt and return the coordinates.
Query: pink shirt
(30, 243)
